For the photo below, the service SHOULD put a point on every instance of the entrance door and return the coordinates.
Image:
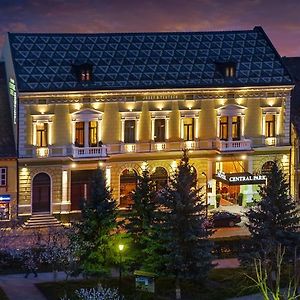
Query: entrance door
(41, 193)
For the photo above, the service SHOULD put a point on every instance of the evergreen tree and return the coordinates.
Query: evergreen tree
(141, 217)
(94, 232)
(274, 219)
(182, 226)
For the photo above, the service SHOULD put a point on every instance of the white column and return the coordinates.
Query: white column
(196, 127)
(263, 125)
(167, 128)
(242, 127)
(218, 126)
(99, 130)
(86, 134)
(50, 133)
(34, 133)
(277, 124)
(122, 129)
(73, 131)
(152, 128)
(137, 129)
(64, 186)
(229, 128)
(182, 127)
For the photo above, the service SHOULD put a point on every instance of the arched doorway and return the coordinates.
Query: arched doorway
(128, 182)
(160, 177)
(41, 186)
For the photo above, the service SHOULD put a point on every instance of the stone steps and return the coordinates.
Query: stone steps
(41, 220)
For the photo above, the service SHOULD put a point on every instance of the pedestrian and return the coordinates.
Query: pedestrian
(30, 263)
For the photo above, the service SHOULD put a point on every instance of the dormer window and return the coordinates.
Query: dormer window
(83, 72)
(85, 75)
(228, 70)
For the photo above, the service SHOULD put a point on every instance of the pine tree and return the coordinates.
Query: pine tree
(274, 220)
(182, 226)
(141, 217)
(94, 231)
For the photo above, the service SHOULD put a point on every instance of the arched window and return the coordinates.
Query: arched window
(160, 177)
(128, 182)
(41, 186)
(267, 167)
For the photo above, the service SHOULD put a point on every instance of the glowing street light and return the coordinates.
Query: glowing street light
(121, 248)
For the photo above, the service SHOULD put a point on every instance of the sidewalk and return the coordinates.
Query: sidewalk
(16, 287)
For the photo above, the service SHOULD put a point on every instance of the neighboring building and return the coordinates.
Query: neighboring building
(293, 66)
(125, 100)
(8, 158)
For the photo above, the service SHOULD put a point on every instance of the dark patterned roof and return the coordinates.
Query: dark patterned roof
(7, 143)
(43, 62)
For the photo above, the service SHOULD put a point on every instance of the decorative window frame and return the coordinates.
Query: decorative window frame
(87, 115)
(131, 115)
(163, 114)
(190, 113)
(43, 118)
(270, 111)
(231, 110)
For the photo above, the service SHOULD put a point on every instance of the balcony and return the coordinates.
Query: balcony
(89, 152)
(271, 141)
(242, 145)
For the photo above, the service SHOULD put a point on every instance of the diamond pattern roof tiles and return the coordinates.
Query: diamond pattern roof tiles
(43, 62)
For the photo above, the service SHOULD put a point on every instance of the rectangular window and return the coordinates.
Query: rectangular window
(224, 128)
(159, 130)
(129, 134)
(188, 127)
(42, 134)
(79, 134)
(3, 176)
(270, 125)
(236, 128)
(93, 133)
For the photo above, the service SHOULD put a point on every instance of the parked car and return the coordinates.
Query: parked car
(224, 219)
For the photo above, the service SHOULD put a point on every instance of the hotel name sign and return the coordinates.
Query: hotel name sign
(240, 178)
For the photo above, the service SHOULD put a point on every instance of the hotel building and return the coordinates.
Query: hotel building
(126, 100)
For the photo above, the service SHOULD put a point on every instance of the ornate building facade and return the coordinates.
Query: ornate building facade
(124, 101)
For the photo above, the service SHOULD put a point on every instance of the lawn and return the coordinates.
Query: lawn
(221, 284)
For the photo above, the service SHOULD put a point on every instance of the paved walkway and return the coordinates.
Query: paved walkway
(16, 287)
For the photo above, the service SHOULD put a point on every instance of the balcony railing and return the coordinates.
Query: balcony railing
(233, 145)
(86, 152)
(271, 141)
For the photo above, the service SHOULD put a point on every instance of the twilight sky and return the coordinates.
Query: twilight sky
(279, 18)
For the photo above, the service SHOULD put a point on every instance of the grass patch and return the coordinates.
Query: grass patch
(3, 295)
(221, 284)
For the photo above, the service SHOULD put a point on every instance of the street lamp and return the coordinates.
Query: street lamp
(121, 248)
(206, 195)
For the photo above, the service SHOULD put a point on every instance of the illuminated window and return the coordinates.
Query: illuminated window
(93, 133)
(188, 127)
(3, 176)
(236, 128)
(159, 130)
(42, 134)
(79, 134)
(270, 125)
(227, 69)
(224, 128)
(129, 134)
(230, 71)
(160, 178)
(85, 75)
(128, 182)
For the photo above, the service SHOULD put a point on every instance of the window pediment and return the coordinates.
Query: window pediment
(231, 110)
(87, 115)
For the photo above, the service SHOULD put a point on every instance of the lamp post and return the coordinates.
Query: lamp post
(121, 248)
(206, 195)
